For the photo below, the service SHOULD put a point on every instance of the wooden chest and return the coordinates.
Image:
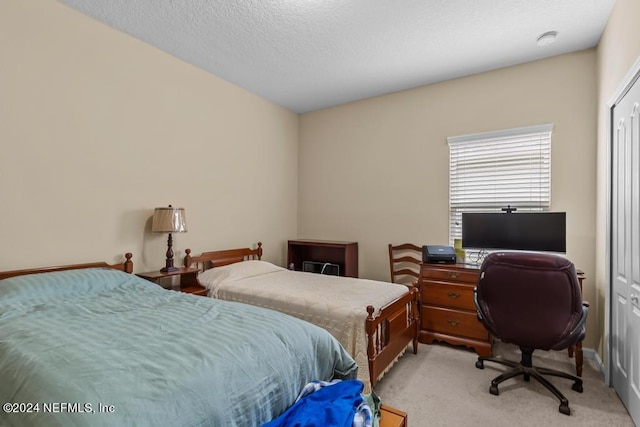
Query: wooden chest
(447, 311)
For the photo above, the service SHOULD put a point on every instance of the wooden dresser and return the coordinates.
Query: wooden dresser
(447, 310)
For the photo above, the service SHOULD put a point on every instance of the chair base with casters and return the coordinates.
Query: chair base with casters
(527, 370)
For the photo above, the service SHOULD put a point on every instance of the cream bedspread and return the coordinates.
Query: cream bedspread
(337, 304)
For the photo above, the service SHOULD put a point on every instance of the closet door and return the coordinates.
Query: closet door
(625, 250)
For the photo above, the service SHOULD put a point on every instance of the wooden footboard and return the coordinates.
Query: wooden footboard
(390, 331)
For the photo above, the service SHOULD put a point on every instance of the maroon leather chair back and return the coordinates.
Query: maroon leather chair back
(529, 299)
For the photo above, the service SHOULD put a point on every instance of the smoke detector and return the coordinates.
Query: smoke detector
(547, 38)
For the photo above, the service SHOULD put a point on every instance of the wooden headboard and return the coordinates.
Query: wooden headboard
(126, 266)
(219, 258)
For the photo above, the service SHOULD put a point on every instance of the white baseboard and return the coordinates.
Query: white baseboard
(591, 354)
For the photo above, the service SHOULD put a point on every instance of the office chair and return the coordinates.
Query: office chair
(534, 301)
(404, 262)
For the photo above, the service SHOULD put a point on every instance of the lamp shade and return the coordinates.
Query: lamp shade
(169, 220)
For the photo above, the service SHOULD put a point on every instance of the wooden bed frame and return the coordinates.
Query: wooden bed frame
(389, 331)
(126, 266)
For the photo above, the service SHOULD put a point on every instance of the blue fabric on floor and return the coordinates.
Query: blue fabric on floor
(334, 405)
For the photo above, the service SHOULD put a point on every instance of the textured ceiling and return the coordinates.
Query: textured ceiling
(310, 54)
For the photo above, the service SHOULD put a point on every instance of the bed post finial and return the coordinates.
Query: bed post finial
(259, 250)
(370, 310)
(187, 258)
(128, 264)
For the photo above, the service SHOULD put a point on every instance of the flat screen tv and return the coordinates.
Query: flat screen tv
(526, 231)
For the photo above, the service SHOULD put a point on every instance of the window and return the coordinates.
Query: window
(493, 170)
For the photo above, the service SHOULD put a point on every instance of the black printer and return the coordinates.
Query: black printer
(438, 254)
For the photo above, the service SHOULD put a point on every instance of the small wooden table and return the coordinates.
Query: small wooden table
(392, 417)
(188, 280)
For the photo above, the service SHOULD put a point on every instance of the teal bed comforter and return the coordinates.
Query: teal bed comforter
(98, 347)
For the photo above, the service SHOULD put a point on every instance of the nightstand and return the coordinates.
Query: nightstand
(188, 280)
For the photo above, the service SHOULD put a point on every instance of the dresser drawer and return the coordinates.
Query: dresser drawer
(455, 322)
(450, 274)
(447, 295)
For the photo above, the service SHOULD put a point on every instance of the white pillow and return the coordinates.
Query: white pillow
(216, 276)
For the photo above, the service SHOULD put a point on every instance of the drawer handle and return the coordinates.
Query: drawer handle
(453, 295)
(453, 322)
(453, 274)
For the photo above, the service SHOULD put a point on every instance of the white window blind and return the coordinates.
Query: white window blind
(490, 171)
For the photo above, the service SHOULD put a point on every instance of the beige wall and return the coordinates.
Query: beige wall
(376, 171)
(98, 128)
(619, 48)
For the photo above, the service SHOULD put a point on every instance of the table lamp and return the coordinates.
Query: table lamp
(169, 220)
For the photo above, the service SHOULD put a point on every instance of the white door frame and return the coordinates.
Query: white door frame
(632, 75)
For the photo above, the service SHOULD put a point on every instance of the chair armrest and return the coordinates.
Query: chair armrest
(475, 301)
(577, 330)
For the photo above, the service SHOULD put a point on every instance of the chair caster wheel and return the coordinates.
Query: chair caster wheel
(564, 408)
(577, 386)
(494, 390)
(480, 364)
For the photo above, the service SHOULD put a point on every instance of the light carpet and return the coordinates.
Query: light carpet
(440, 386)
